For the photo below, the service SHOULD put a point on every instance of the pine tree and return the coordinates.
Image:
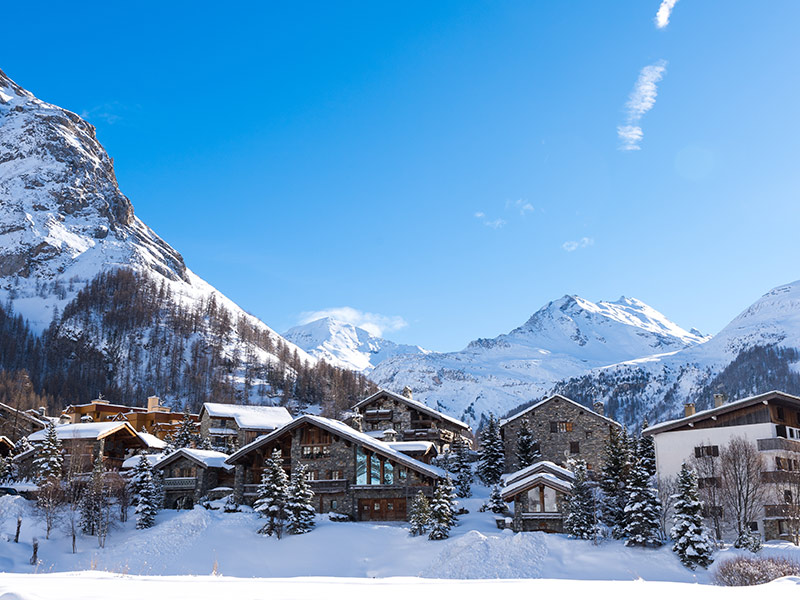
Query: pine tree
(462, 469)
(298, 507)
(495, 503)
(442, 518)
(7, 471)
(527, 447)
(420, 517)
(186, 436)
(647, 452)
(141, 470)
(48, 462)
(491, 455)
(146, 507)
(272, 494)
(641, 522)
(692, 542)
(580, 520)
(613, 481)
(94, 500)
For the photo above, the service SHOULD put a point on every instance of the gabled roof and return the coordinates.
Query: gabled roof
(132, 461)
(541, 473)
(406, 447)
(340, 429)
(250, 416)
(543, 466)
(91, 431)
(24, 414)
(204, 458)
(504, 422)
(420, 406)
(152, 441)
(104, 407)
(720, 410)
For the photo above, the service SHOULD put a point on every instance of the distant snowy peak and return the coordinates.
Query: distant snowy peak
(344, 345)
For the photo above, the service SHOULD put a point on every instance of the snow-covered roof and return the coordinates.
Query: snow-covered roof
(546, 479)
(542, 466)
(207, 458)
(412, 446)
(132, 461)
(249, 416)
(713, 412)
(221, 431)
(347, 432)
(84, 431)
(151, 440)
(36, 419)
(507, 420)
(420, 406)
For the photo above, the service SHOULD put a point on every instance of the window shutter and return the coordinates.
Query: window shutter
(714, 450)
(698, 452)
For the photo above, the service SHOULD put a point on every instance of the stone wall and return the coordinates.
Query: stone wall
(589, 430)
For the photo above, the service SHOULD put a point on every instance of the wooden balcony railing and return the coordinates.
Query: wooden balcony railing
(180, 483)
(778, 443)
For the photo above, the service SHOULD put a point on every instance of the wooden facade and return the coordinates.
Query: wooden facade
(350, 472)
(538, 493)
(191, 475)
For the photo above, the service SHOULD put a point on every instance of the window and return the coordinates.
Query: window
(753, 525)
(560, 426)
(312, 475)
(787, 496)
(388, 473)
(390, 506)
(336, 475)
(361, 467)
(783, 528)
(542, 499)
(711, 511)
(588, 434)
(334, 504)
(708, 482)
(574, 448)
(781, 413)
(377, 506)
(701, 451)
(402, 474)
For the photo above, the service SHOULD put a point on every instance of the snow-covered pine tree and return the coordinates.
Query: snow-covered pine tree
(491, 455)
(442, 518)
(527, 451)
(48, 462)
(300, 511)
(146, 500)
(272, 493)
(93, 502)
(186, 436)
(495, 503)
(420, 515)
(141, 470)
(461, 467)
(6, 470)
(692, 542)
(580, 518)
(647, 452)
(641, 523)
(613, 481)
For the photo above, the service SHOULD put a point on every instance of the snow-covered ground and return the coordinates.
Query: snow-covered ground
(200, 542)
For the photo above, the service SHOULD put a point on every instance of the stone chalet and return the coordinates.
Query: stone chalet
(351, 473)
(191, 475)
(563, 429)
(770, 421)
(406, 419)
(538, 493)
(235, 425)
(84, 442)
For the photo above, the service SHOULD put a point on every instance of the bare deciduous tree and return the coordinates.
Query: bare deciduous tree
(709, 479)
(743, 491)
(667, 488)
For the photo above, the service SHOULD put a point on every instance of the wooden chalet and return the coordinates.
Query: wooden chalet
(16, 424)
(351, 472)
(410, 420)
(155, 419)
(538, 493)
(235, 425)
(191, 475)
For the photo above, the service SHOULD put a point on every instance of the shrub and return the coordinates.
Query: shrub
(751, 570)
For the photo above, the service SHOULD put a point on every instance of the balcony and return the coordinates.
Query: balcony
(378, 415)
(780, 510)
(427, 433)
(780, 476)
(328, 486)
(180, 483)
(778, 443)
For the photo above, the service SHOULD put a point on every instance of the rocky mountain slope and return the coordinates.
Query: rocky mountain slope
(567, 337)
(64, 224)
(345, 345)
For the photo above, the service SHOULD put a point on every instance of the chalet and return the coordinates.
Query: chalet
(84, 442)
(234, 425)
(155, 419)
(563, 429)
(770, 421)
(6, 446)
(351, 472)
(538, 493)
(16, 424)
(191, 475)
(406, 420)
(96, 411)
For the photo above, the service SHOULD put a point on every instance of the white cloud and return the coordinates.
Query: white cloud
(523, 206)
(572, 245)
(479, 215)
(374, 323)
(664, 12)
(641, 100)
(493, 223)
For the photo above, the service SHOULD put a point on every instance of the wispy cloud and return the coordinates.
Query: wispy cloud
(664, 12)
(492, 223)
(573, 245)
(641, 100)
(109, 112)
(374, 323)
(521, 206)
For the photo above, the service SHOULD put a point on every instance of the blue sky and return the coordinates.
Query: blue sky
(303, 156)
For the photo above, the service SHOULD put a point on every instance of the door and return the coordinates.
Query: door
(382, 509)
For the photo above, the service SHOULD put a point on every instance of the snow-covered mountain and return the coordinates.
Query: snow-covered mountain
(64, 220)
(345, 345)
(565, 338)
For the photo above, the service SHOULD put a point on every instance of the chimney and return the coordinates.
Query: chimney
(43, 411)
(599, 408)
(407, 393)
(688, 409)
(719, 400)
(389, 435)
(152, 403)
